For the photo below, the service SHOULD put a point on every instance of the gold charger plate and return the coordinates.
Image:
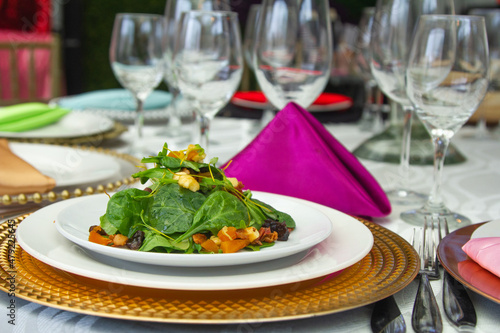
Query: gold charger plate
(128, 165)
(389, 267)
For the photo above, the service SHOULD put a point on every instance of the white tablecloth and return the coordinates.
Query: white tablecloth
(471, 188)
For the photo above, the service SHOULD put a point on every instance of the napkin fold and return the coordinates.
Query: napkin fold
(115, 99)
(28, 116)
(295, 155)
(486, 252)
(18, 176)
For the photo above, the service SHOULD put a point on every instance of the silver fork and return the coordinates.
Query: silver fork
(456, 302)
(426, 316)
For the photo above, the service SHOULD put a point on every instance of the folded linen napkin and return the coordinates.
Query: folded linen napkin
(28, 116)
(486, 252)
(18, 176)
(114, 99)
(295, 155)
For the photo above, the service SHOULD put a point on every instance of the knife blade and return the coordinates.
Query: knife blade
(387, 318)
(457, 304)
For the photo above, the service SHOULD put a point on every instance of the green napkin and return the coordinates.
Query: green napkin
(28, 116)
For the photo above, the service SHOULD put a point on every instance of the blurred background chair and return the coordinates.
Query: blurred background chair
(30, 67)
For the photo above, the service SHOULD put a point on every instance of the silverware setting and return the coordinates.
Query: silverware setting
(387, 318)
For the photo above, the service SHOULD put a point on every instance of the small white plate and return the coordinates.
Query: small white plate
(349, 242)
(67, 166)
(313, 227)
(74, 124)
(490, 229)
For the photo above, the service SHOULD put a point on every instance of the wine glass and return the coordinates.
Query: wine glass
(490, 103)
(136, 56)
(208, 63)
(391, 36)
(173, 12)
(293, 50)
(371, 116)
(447, 78)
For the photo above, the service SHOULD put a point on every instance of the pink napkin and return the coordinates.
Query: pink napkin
(479, 277)
(486, 252)
(295, 155)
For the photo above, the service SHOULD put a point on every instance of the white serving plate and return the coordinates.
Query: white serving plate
(74, 124)
(73, 222)
(67, 166)
(348, 243)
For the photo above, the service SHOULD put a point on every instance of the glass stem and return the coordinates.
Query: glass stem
(405, 144)
(175, 119)
(441, 144)
(139, 117)
(204, 130)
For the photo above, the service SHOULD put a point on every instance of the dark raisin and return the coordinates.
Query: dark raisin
(147, 189)
(98, 229)
(135, 242)
(279, 227)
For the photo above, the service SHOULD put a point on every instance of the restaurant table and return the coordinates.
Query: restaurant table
(471, 188)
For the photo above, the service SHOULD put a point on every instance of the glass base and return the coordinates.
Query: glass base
(417, 216)
(406, 197)
(386, 147)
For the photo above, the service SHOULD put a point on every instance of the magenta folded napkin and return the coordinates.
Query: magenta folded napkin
(486, 252)
(295, 155)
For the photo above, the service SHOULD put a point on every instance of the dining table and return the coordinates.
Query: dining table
(471, 188)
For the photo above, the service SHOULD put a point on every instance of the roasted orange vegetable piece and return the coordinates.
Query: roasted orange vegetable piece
(176, 154)
(210, 246)
(227, 234)
(233, 245)
(95, 237)
(199, 238)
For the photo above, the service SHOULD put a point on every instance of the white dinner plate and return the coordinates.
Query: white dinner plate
(348, 243)
(73, 222)
(67, 166)
(490, 229)
(74, 124)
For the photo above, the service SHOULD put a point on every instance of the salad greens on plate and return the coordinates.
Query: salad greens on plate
(189, 207)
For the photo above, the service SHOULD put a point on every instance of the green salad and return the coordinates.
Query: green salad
(189, 207)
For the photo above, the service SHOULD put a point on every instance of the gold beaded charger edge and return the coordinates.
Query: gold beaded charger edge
(389, 267)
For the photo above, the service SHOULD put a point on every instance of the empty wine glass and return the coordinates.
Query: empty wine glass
(391, 37)
(293, 50)
(173, 12)
(208, 62)
(136, 56)
(447, 78)
(490, 103)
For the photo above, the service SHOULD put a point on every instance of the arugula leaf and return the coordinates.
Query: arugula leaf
(157, 173)
(172, 208)
(124, 211)
(275, 214)
(258, 247)
(220, 209)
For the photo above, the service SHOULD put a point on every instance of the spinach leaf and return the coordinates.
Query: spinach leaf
(172, 208)
(154, 242)
(275, 214)
(124, 211)
(258, 247)
(257, 216)
(157, 173)
(220, 209)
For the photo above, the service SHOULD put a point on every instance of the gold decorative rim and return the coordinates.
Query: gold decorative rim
(52, 196)
(94, 139)
(389, 267)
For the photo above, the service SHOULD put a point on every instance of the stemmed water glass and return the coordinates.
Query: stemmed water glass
(293, 50)
(490, 103)
(136, 56)
(447, 78)
(208, 63)
(391, 36)
(173, 12)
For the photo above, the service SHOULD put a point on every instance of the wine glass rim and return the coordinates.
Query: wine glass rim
(139, 15)
(214, 12)
(453, 17)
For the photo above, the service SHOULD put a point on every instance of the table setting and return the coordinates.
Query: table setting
(355, 257)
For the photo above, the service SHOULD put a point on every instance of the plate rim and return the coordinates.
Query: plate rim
(453, 243)
(66, 149)
(183, 260)
(187, 285)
